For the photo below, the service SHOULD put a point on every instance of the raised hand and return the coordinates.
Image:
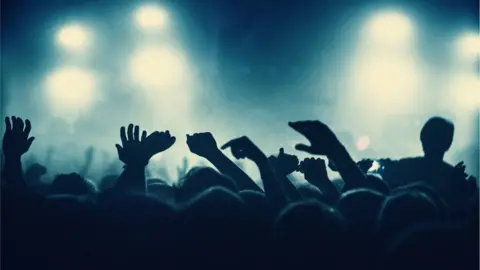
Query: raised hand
(202, 144)
(16, 140)
(313, 168)
(284, 164)
(243, 147)
(365, 165)
(322, 140)
(157, 142)
(136, 150)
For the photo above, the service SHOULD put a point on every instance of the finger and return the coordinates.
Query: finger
(8, 124)
(123, 135)
(28, 128)
(144, 135)
(20, 124)
(130, 132)
(228, 144)
(14, 122)
(168, 133)
(173, 139)
(136, 134)
(282, 151)
(29, 142)
(119, 149)
(303, 148)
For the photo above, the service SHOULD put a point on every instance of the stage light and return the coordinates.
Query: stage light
(151, 17)
(362, 143)
(73, 37)
(392, 27)
(158, 66)
(469, 46)
(70, 88)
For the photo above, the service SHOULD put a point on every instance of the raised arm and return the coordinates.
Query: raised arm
(324, 142)
(135, 152)
(315, 172)
(285, 164)
(204, 145)
(16, 142)
(243, 147)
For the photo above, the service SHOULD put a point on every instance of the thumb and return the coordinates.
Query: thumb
(304, 148)
(282, 151)
(30, 141)
(119, 148)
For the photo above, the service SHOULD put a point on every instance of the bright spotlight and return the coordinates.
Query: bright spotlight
(392, 28)
(469, 46)
(70, 88)
(73, 37)
(151, 17)
(157, 67)
(363, 143)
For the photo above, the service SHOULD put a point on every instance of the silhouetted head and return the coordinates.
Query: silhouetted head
(72, 184)
(439, 202)
(309, 191)
(212, 231)
(199, 179)
(108, 182)
(437, 137)
(360, 207)
(161, 189)
(405, 210)
(34, 173)
(307, 231)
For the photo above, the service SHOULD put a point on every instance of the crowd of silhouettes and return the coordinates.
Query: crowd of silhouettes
(412, 213)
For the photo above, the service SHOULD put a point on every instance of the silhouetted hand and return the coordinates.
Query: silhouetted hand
(365, 165)
(322, 140)
(243, 147)
(313, 168)
(138, 151)
(16, 140)
(157, 142)
(284, 164)
(459, 170)
(202, 144)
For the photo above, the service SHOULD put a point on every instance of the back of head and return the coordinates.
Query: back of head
(360, 207)
(306, 231)
(438, 200)
(72, 184)
(199, 179)
(211, 231)
(309, 191)
(405, 210)
(437, 136)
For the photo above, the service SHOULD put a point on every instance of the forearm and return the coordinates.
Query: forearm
(132, 179)
(348, 169)
(12, 171)
(288, 188)
(227, 167)
(272, 188)
(326, 186)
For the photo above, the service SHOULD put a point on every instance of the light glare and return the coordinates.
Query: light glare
(392, 28)
(73, 37)
(70, 88)
(157, 67)
(363, 143)
(151, 17)
(469, 46)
